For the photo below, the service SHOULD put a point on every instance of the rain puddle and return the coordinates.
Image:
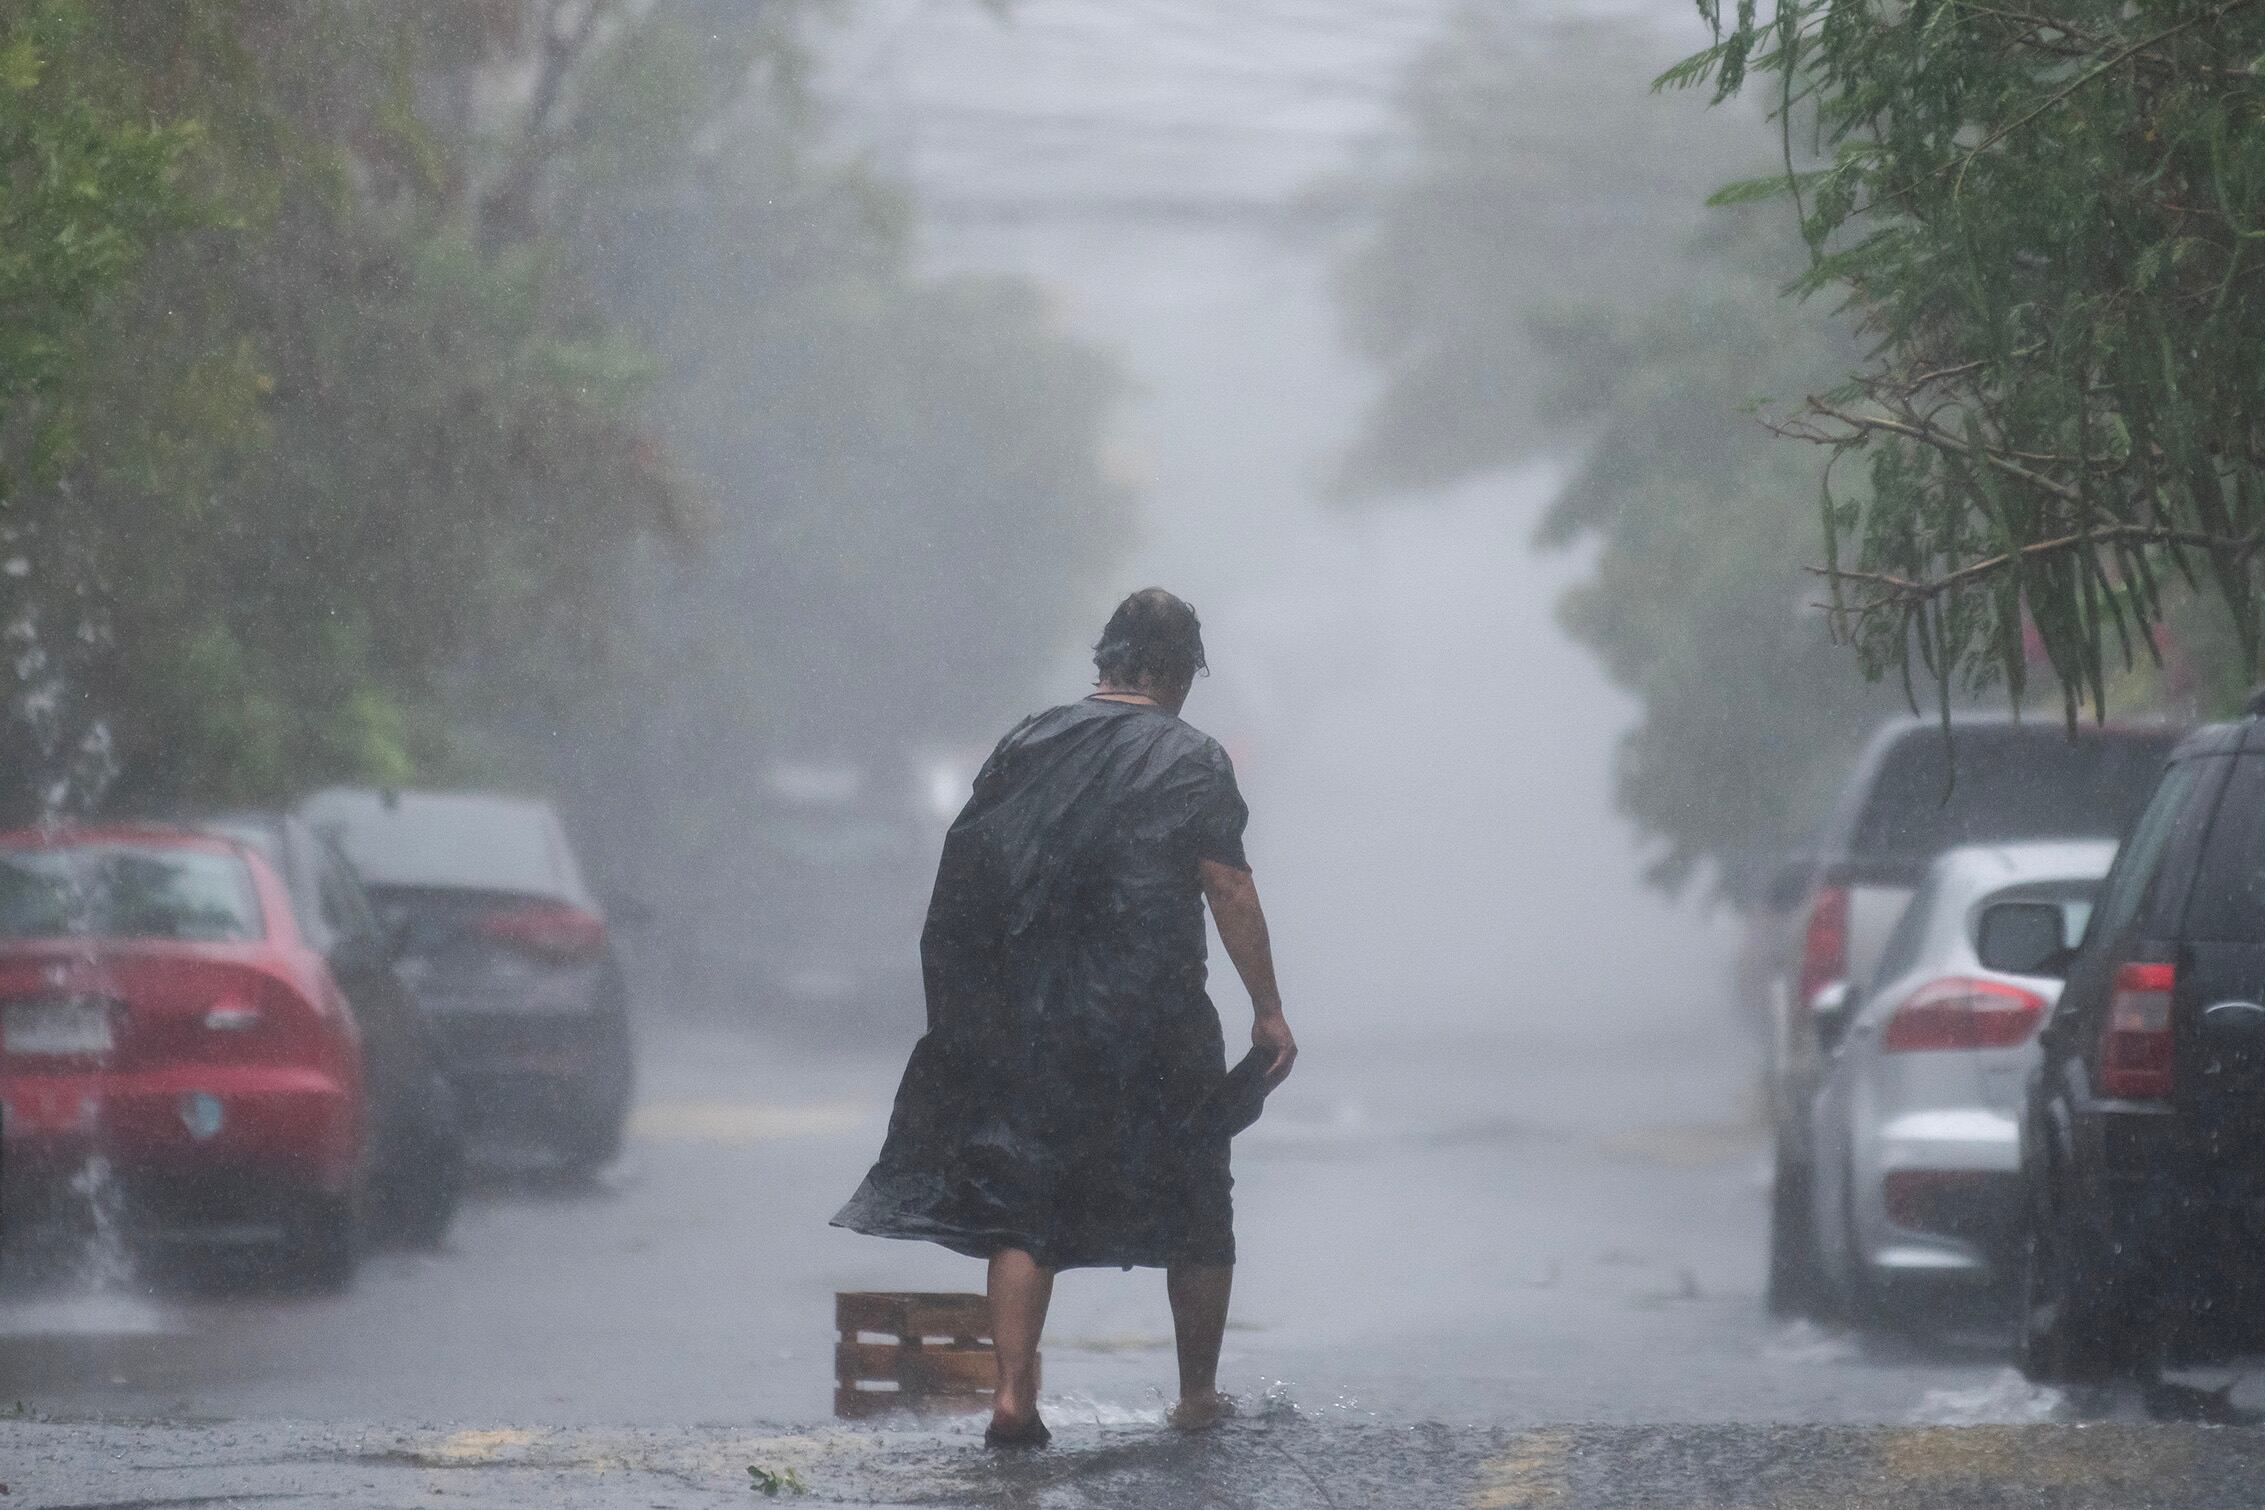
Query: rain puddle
(1807, 1342)
(1085, 1410)
(92, 1314)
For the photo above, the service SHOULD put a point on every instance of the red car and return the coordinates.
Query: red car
(169, 1038)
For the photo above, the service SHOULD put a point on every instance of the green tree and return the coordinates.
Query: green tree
(903, 476)
(1698, 601)
(2048, 227)
(330, 439)
(1539, 279)
(87, 182)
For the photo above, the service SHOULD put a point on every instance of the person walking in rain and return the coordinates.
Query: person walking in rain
(1053, 1115)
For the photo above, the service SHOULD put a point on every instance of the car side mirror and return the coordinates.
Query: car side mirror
(2023, 938)
(1831, 1009)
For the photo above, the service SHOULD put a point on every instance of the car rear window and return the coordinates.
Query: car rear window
(462, 842)
(127, 891)
(2012, 784)
(2228, 900)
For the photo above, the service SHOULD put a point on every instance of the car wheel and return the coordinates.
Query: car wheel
(1872, 1304)
(322, 1243)
(2071, 1330)
(427, 1179)
(425, 1201)
(1796, 1279)
(585, 1150)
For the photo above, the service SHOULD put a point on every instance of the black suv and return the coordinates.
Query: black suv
(2143, 1135)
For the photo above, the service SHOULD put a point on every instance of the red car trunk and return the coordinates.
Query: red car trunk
(180, 1060)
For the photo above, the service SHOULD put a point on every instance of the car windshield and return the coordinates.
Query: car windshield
(462, 843)
(2011, 784)
(127, 891)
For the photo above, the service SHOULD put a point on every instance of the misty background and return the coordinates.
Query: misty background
(728, 419)
(1427, 756)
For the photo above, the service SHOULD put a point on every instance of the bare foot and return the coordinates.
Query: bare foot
(1005, 1431)
(1201, 1412)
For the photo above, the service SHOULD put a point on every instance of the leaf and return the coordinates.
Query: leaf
(1692, 70)
(1757, 190)
(771, 1482)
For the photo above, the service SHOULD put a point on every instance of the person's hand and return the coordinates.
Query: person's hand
(1272, 1033)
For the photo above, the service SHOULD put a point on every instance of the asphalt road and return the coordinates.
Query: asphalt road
(1461, 1243)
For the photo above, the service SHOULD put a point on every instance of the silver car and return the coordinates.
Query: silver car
(1916, 1118)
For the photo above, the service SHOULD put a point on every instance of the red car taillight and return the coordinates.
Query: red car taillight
(1824, 944)
(556, 931)
(1962, 1014)
(2135, 1041)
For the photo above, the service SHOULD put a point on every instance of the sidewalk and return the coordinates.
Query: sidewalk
(1285, 1460)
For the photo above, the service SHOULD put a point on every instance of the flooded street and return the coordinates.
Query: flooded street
(574, 571)
(1449, 1230)
(1449, 1249)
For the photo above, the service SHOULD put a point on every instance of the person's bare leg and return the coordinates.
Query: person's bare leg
(1020, 1292)
(1199, 1324)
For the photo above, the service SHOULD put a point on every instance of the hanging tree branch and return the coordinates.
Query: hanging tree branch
(2043, 225)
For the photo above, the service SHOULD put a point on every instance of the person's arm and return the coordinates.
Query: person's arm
(1233, 896)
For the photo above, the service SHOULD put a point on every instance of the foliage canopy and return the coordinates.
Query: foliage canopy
(87, 182)
(2050, 227)
(376, 377)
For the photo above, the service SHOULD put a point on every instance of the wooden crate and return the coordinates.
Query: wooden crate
(919, 1351)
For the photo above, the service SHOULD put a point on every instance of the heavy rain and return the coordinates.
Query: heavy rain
(627, 621)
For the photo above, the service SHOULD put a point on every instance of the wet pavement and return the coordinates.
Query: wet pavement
(1450, 1247)
(1281, 1460)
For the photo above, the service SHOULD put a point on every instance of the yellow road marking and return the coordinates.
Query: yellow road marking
(740, 1122)
(464, 1448)
(1531, 1473)
(2062, 1457)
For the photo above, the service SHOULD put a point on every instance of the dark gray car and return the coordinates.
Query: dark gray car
(509, 953)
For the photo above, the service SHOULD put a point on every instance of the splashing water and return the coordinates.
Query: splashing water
(2007, 1400)
(1086, 1410)
(106, 1264)
(72, 765)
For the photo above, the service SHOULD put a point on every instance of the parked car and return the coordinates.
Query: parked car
(2143, 1134)
(1907, 800)
(175, 1055)
(508, 953)
(416, 1137)
(1916, 1124)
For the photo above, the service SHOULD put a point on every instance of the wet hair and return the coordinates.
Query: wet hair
(1152, 634)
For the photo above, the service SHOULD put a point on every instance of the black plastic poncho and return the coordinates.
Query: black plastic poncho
(1069, 1036)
